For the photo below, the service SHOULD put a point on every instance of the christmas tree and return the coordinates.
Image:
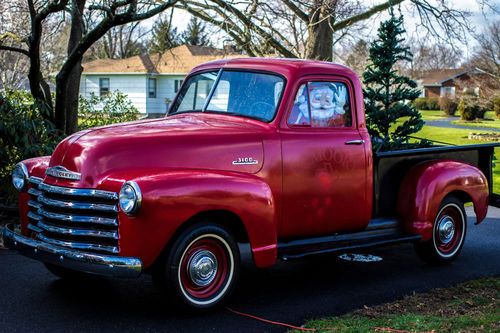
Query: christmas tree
(387, 93)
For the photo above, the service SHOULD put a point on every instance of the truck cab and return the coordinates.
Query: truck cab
(269, 155)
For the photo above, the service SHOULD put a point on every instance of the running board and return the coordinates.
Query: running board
(378, 233)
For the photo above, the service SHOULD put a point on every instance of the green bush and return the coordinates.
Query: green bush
(469, 107)
(105, 110)
(24, 133)
(420, 103)
(496, 106)
(426, 103)
(448, 105)
(432, 103)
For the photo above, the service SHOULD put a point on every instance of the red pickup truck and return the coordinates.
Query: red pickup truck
(268, 155)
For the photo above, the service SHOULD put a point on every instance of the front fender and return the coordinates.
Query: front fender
(428, 183)
(36, 167)
(173, 197)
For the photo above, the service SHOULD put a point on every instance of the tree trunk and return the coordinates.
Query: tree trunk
(37, 83)
(68, 82)
(319, 44)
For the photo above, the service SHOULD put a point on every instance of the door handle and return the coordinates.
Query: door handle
(355, 142)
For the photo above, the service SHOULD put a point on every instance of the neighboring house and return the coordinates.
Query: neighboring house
(150, 81)
(453, 82)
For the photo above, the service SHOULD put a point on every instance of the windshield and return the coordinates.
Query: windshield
(240, 93)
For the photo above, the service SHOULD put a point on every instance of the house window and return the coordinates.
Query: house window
(447, 92)
(103, 86)
(177, 85)
(152, 87)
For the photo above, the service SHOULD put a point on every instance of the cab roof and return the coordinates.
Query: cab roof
(285, 66)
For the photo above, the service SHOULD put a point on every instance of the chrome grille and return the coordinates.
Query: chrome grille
(80, 219)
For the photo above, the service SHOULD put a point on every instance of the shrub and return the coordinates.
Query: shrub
(432, 103)
(426, 103)
(24, 133)
(448, 105)
(105, 110)
(496, 106)
(469, 107)
(420, 103)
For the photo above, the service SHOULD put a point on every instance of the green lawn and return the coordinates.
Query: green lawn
(457, 136)
(469, 307)
(489, 120)
(490, 123)
(433, 114)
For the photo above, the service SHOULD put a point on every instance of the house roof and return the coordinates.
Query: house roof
(438, 77)
(179, 60)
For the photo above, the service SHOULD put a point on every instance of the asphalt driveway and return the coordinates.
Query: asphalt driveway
(32, 300)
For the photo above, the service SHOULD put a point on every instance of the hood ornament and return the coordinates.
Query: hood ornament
(61, 172)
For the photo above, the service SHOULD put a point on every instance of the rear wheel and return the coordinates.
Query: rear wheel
(448, 233)
(202, 267)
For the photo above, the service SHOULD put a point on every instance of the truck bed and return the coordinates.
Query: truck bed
(390, 168)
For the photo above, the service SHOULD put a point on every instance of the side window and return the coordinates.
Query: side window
(322, 104)
(300, 110)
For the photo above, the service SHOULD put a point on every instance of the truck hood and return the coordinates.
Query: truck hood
(188, 141)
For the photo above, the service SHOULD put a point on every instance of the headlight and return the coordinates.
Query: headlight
(20, 176)
(130, 198)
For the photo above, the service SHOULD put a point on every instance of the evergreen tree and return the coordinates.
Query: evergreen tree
(195, 33)
(388, 94)
(164, 36)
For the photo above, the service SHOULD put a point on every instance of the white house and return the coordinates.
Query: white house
(150, 81)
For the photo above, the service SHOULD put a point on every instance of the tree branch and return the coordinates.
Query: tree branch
(14, 49)
(294, 8)
(247, 22)
(365, 15)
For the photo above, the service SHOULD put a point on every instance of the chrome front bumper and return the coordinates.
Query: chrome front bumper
(80, 261)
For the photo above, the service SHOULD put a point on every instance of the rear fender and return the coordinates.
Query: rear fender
(172, 198)
(428, 183)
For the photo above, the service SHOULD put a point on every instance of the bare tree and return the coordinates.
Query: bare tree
(104, 16)
(356, 56)
(310, 28)
(120, 42)
(428, 57)
(487, 55)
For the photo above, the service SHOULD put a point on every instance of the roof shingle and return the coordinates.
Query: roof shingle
(179, 60)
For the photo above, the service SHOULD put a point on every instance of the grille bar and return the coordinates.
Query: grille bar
(76, 205)
(78, 232)
(34, 204)
(34, 228)
(79, 219)
(78, 245)
(34, 216)
(34, 192)
(35, 180)
(78, 192)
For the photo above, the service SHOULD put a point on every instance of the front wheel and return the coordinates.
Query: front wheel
(202, 266)
(448, 234)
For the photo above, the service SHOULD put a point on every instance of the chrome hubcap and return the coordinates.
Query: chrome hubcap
(202, 268)
(446, 229)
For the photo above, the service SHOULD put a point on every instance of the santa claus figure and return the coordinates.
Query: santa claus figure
(327, 104)
(326, 101)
